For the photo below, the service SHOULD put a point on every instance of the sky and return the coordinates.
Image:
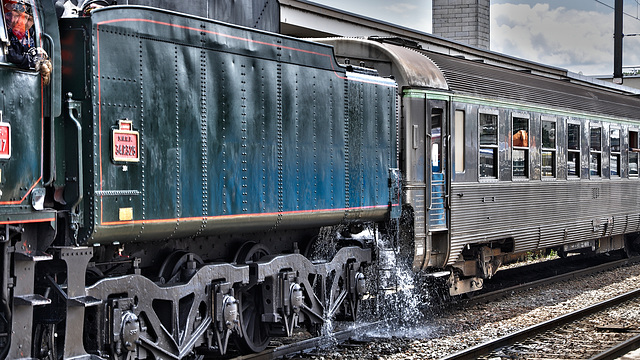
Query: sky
(576, 35)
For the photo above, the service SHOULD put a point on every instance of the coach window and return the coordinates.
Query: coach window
(573, 150)
(488, 146)
(436, 140)
(548, 148)
(614, 160)
(634, 149)
(520, 150)
(595, 154)
(459, 141)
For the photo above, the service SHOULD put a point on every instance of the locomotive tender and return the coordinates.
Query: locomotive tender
(182, 182)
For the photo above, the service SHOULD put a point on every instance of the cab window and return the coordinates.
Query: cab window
(19, 29)
(4, 36)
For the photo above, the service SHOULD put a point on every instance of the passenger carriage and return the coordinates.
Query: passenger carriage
(499, 161)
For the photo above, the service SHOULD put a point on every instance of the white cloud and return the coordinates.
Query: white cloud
(401, 8)
(414, 14)
(581, 41)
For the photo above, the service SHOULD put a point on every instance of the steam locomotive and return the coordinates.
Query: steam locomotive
(182, 184)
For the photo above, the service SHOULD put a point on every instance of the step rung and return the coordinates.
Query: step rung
(34, 256)
(84, 301)
(31, 300)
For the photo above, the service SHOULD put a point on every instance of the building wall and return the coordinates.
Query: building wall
(465, 21)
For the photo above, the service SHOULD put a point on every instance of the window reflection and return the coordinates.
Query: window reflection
(488, 129)
(614, 164)
(548, 148)
(595, 156)
(596, 139)
(615, 140)
(573, 164)
(573, 137)
(488, 163)
(633, 164)
(519, 163)
(633, 154)
(548, 163)
(614, 159)
(520, 142)
(573, 153)
(488, 156)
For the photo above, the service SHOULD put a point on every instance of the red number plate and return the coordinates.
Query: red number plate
(126, 146)
(5, 141)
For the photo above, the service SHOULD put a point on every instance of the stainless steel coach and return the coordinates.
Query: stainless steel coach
(498, 162)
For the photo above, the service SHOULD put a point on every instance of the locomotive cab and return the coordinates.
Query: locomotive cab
(28, 109)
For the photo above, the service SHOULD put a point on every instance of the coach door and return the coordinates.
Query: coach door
(436, 155)
(424, 166)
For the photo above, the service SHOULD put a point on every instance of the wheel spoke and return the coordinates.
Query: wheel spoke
(255, 335)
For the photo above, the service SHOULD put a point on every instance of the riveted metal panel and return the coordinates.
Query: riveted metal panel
(238, 129)
(21, 107)
(313, 141)
(371, 141)
(259, 14)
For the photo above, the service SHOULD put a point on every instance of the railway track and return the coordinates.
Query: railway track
(299, 347)
(496, 294)
(585, 333)
(317, 344)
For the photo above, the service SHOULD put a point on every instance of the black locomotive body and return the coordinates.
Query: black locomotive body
(172, 187)
(182, 182)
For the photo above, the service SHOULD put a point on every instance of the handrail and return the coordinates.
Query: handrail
(427, 164)
(52, 152)
(71, 106)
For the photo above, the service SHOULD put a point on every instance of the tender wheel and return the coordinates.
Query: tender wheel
(320, 249)
(255, 333)
(45, 342)
(179, 266)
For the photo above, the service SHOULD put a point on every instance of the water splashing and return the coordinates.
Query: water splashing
(400, 300)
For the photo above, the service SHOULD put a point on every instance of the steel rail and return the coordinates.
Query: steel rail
(518, 336)
(309, 344)
(344, 335)
(490, 296)
(619, 350)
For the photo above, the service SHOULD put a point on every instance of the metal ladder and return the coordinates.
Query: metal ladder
(437, 213)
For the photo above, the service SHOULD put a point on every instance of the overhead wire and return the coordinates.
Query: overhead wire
(613, 8)
(627, 14)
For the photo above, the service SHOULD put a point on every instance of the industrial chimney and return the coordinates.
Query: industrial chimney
(465, 21)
